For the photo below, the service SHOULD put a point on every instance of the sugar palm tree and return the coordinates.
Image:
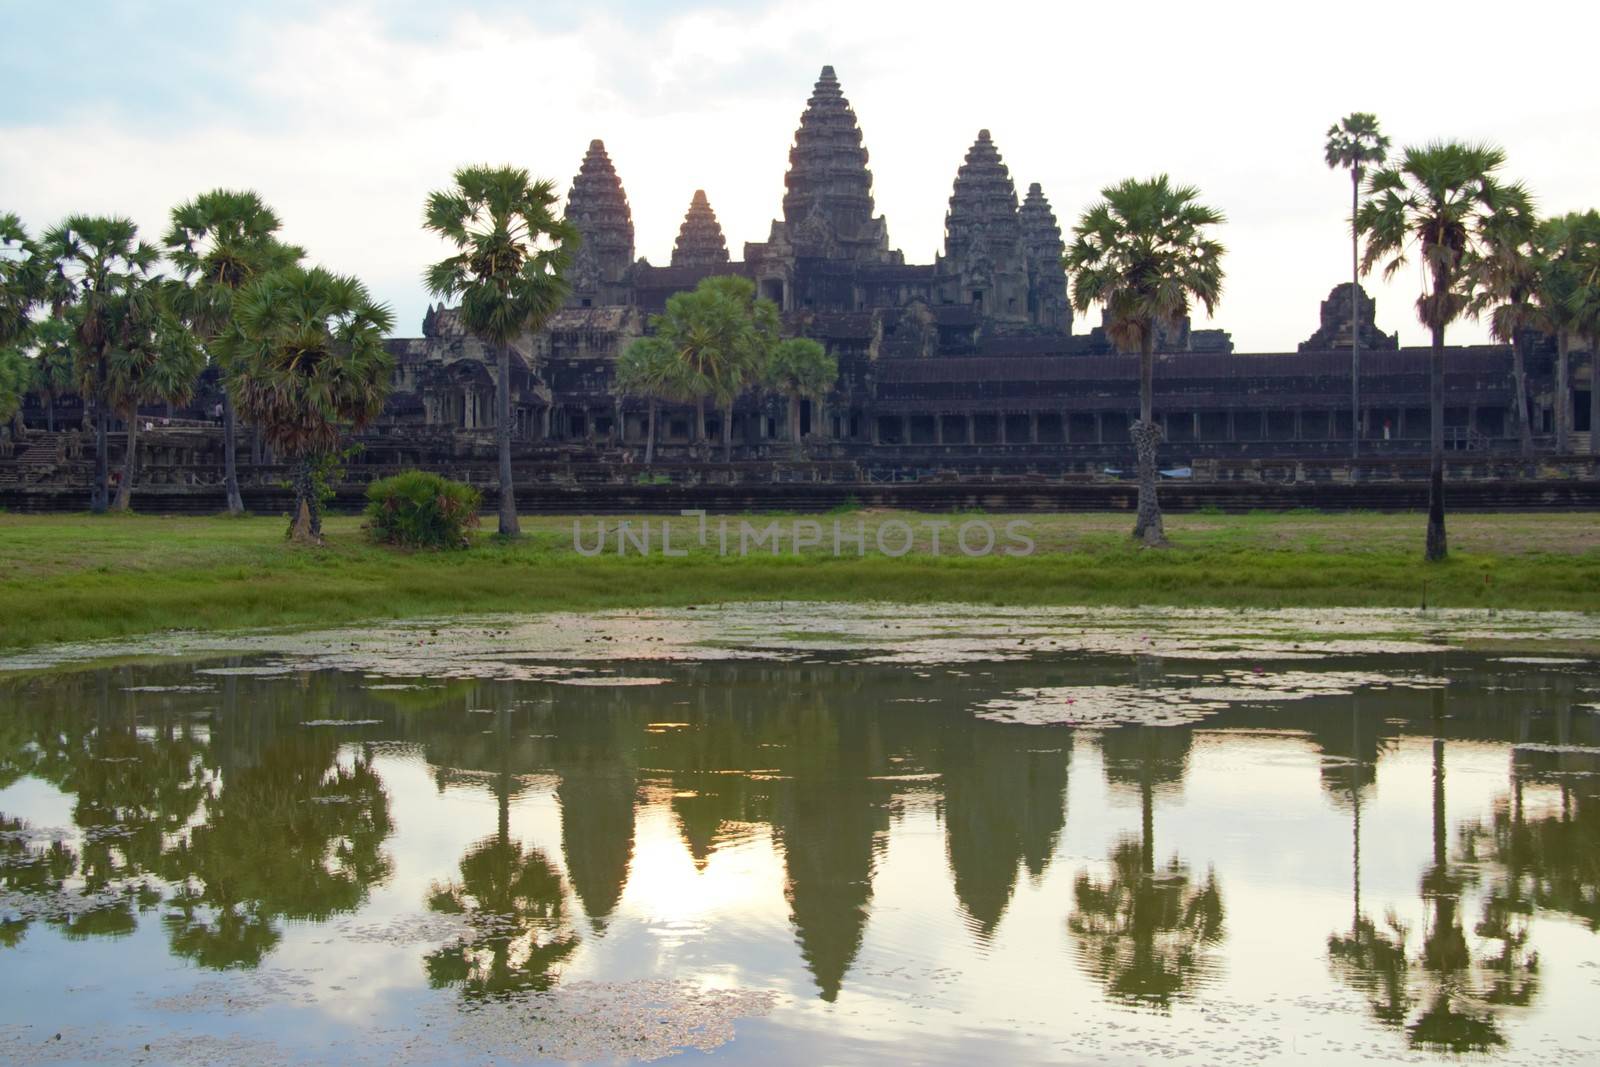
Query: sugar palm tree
(22, 280)
(1442, 200)
(1145, 254)
(1509, 266)
(220, 242)
(101, 286)
(1354, 142)
(1583, 251)
(723, 334)
(1559, 240)
(21, 289)
(51, 373)
(156, 363)
(799, 369)
(511, 250)
(650, 368)
(308, 364)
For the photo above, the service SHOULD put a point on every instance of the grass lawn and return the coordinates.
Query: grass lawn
(70, 577)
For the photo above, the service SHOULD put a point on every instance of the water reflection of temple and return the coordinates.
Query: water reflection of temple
(230, 815)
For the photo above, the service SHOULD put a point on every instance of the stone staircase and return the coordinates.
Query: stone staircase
(43, 454)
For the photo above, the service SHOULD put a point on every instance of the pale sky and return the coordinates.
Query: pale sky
(343, 114)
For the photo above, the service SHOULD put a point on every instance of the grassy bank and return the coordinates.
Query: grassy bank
(71, 577)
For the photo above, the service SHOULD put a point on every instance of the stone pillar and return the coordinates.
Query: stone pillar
(938, 428)
(1195, 422)
(1299, 424)
(905, 429)
(1003, 417)
(1233, 434)
(971, 433)
(1099, 427)
(1033, 427)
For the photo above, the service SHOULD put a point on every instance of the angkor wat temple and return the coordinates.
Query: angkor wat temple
(966, 367)
(973, 350)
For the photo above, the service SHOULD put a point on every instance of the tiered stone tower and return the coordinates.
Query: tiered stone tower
(1048, 304)
(700, 241)
(984, 263)
(827, 208)
(598, 207)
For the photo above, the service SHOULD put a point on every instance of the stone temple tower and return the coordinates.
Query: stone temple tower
(700, 241)
(598, 207)
(984, 263)
(1048, 304)
(827, 208)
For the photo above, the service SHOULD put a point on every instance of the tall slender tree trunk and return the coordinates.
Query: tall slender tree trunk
(502, 435)
(1437, 547)
(99, 493)
(1563, 405)
(1355, 317)
(1147, 822)
(129, 461)
(1147, 444)
(1355, 807)
(650, 435)
(727, 432)
(303, 524)
(1519, 376)
(50, 412)
(230, 458)
(795, 400)
(700, 420)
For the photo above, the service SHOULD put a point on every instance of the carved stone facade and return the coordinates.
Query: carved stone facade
(598, 207)
(700, 242)
(984, 263)
(1334, 332)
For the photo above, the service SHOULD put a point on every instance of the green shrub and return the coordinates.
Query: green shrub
(417, 509)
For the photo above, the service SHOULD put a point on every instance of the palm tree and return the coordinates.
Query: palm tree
(511, 252)
(101, 287)
(799, 369)
(1584, 302)
(308, 363)
(1353, 142)
(21, 287)
(157, 363)
(723, 334)
(650, 368)
(52, 370)
(22, 280)
(220, 242)
(1559, 240)
(1444, 199)
(1144, 254)
(1509, 269)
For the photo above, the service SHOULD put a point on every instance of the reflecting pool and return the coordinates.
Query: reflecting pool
(803, 836)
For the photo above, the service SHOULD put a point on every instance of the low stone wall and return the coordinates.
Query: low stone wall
(1569, 494)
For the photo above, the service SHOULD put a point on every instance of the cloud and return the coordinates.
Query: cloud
(343, 115)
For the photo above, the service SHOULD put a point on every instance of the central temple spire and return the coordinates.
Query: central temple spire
(827, 208)
(598, 207)
(700, 241)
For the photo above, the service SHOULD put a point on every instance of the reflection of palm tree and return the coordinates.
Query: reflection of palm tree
(1146, 933)
(516, 903)
(514, 900)
(1371, 960)
(1462, 990)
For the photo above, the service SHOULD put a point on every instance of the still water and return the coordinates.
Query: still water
(780, 841)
